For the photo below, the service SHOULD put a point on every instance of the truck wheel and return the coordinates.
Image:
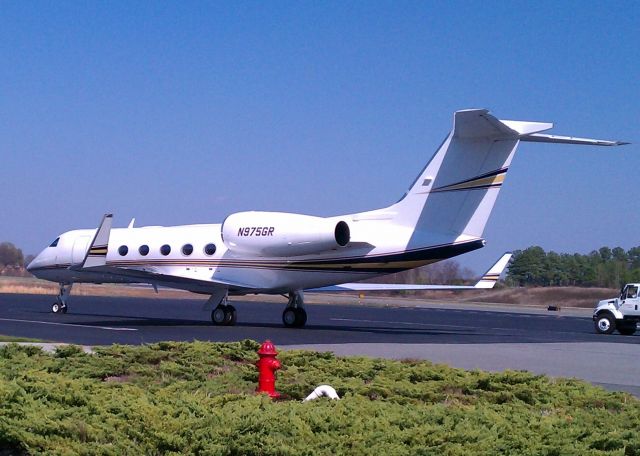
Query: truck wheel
(628, 329)
(605, 323)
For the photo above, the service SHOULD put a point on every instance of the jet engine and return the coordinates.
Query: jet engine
(280, 234)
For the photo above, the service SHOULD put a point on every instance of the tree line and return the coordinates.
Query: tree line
(11, 256)
(448, 272)
(605, 267)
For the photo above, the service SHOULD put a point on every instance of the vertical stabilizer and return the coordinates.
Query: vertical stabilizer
(455, 193)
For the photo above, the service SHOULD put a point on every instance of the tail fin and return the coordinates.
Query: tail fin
(455, 193)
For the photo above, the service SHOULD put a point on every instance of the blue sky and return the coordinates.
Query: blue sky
(186, 112)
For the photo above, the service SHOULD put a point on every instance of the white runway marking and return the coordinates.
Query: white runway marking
(426, 325)
(107, 328)
(409, 323)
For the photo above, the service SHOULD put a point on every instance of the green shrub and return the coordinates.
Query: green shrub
(198, 398)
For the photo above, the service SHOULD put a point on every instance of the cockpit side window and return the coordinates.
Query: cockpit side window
(55, 243)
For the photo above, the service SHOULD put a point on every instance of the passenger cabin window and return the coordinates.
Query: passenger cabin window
(143, 250)
(165, 249)
(187, 249)
(210, 249)
(123, 250)
(55, 243)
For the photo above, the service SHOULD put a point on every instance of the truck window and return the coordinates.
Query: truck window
(632, 292)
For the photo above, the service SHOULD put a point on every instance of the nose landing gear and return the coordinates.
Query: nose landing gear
(60, 306)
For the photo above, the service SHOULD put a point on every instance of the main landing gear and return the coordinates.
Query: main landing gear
(223, 314)
(294, 315)
(60, 306)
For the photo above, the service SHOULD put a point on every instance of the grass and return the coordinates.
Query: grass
(30, 285)
(198, 398)
(4, 338)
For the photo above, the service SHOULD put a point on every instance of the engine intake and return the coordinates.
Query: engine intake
(282, 234)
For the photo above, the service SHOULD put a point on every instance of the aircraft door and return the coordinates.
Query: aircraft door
(80, 247)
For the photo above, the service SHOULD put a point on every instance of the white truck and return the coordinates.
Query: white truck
(621, 313)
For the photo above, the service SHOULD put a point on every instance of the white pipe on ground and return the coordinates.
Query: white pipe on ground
(320, 391)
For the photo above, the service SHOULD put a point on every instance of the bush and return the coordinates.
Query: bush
(198, 398)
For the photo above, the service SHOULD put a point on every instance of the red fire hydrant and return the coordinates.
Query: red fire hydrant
(267, 367)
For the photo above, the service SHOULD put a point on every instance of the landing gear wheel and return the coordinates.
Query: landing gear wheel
(302, 317)
(627, 330)
(224, 315)
(605, 323)
(218, 315)
(294, 317)
(230, 315)
(60, 306)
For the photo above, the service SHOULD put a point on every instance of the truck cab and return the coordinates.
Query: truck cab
(621, 313)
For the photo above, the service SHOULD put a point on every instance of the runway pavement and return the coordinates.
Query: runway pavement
(474, 337)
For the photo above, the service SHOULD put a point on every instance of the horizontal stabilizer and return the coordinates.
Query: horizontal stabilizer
(488, 280)
(571, 140)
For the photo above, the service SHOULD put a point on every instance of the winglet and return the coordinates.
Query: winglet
(491, 277)
(97, 253)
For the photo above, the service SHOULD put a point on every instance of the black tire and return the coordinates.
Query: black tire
(56, 308)
(628, 329)
(301, 318)
(605, 323)
(230, 315)
(219, 315)
(64, 310)
(294, 317)
(289, 317)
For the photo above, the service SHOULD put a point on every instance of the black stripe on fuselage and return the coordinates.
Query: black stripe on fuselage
(381, 263)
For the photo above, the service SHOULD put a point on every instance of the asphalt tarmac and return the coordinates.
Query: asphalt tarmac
(480, 337)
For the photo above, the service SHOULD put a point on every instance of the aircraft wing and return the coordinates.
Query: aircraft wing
(488, 280)
(175, 281)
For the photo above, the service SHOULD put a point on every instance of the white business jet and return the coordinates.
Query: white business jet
(443, 214)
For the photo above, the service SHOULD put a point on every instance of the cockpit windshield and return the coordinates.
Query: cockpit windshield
(55, 243)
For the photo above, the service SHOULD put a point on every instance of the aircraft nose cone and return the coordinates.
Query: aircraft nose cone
(33, 264)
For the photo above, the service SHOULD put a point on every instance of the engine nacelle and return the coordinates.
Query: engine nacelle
(281, 234)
